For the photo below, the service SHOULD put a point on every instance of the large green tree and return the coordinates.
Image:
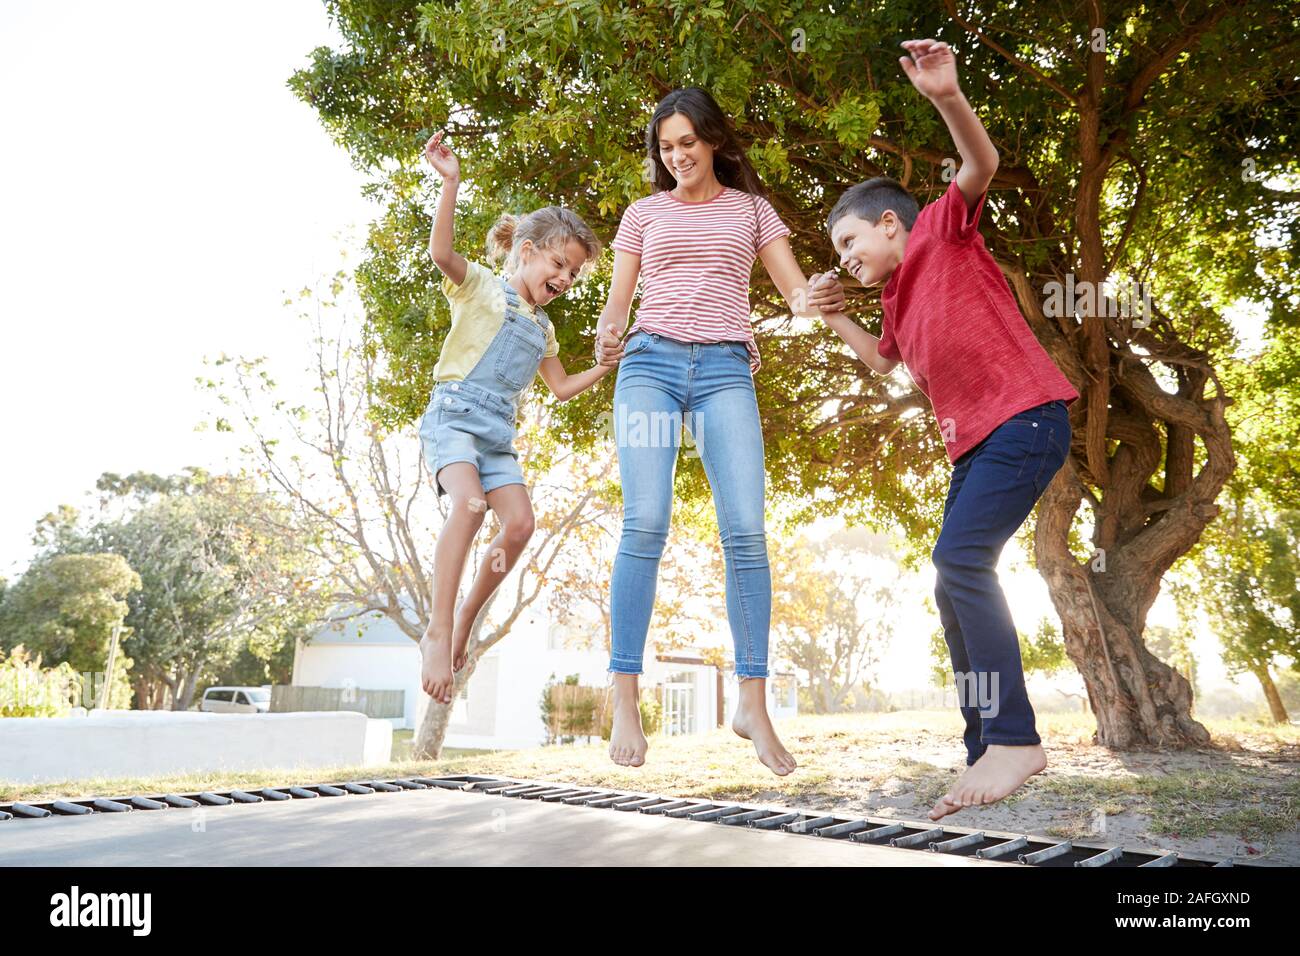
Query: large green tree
(1244, 573)
(66, 608)
(1139, 142)
(215, 586)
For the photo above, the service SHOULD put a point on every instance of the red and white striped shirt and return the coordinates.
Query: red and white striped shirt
(696, 259)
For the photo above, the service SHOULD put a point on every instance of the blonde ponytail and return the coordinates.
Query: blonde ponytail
(501, 237)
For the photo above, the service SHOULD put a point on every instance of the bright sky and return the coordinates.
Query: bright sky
(160, 193)
(160, 189)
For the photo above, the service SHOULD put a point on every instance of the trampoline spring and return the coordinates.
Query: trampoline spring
(548, 791)
(1002, 849)
(842, 829)
(564, 795)
(144, 803)
(746, 817)
(665, 807)
(714, 813)
(774, 821)
(606, 802)
(587, 798)
(272, 794)
(688, 810)
(325, 790)
(382, 787)
(558, 795)
(70, 809)
(358, 788)
(1042, 856)
(216, 800)
(514, 790)
(917, 839)
(803, 826)
(1101, 859)
(176, 800)
(639, 804)
(879, 834)
(958, 843)
(410, 784)
(303, 793)
(445, 783)
(105, 805)
(1168, 859)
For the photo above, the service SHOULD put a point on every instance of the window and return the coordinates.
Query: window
(785, 691)
(679, 703)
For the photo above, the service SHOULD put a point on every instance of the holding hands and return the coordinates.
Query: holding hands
(825, 294)
(609, 347)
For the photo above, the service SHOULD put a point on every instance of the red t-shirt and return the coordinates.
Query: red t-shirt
(951, 318)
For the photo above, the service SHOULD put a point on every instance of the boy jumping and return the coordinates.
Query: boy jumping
(1000, 402)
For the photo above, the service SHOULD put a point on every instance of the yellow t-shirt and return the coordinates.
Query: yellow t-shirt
(478, 308)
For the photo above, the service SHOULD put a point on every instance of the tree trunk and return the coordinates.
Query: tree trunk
(142, 687)
(1275, 705)
(186, 695)
(1138, 700)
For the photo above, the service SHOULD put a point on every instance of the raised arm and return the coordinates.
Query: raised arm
(450, 262)
(932, 68)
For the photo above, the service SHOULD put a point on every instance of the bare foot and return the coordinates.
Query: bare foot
(459, 641)
(995, 775)
(435, 665)
(627, 743)
(756, 726)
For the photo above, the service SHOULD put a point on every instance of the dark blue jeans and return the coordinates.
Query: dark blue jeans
(994, 487)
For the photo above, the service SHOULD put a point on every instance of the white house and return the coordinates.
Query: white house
(500, 708)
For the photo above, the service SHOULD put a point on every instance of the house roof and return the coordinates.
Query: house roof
(363, 630)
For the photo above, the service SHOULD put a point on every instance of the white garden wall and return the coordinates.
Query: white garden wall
(124, 743)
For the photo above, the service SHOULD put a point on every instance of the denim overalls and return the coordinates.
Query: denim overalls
(473, 419)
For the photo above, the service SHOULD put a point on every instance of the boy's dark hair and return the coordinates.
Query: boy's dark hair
(869, 201)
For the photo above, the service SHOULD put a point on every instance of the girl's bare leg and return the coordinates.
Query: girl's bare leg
(514, 511)
(468, 505)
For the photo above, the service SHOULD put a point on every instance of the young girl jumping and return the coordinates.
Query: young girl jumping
(499, 339)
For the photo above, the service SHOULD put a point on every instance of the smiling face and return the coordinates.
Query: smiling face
(870, 253)
(547, 273)
(688, 157)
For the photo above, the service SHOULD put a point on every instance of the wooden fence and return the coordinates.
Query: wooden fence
(578, 711)
(289, 698)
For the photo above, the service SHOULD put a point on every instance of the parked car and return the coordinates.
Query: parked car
(236, 700)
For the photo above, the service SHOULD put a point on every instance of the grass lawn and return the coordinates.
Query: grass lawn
(1240, 798)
